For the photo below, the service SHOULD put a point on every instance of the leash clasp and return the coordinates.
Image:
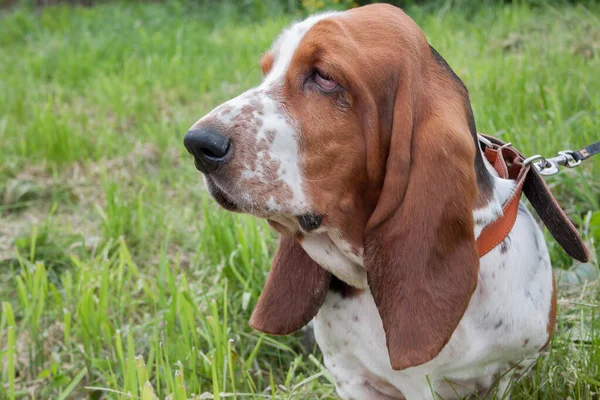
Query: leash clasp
(570, 161)
(550, 166)
(542, 165)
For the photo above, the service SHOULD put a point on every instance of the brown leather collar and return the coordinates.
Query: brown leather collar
(508, 162)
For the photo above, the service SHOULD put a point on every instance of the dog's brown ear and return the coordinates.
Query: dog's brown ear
(420, 251)
(294, 292)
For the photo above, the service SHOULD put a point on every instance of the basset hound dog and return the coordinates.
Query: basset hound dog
(359, 147)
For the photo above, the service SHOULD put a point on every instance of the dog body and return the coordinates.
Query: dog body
(360, 148)
(507, 322)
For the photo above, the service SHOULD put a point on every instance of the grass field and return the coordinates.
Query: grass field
(117, 269)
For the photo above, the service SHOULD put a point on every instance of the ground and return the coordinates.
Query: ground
(117, 269)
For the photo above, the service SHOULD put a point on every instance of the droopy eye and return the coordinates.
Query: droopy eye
(325, 82)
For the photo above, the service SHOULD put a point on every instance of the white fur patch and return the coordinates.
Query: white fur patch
(285, 150)
(286, 44)
(503, 189)
(336, 257)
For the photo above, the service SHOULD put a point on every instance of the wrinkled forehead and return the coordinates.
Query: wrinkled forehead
(377, 36)
(282, 51)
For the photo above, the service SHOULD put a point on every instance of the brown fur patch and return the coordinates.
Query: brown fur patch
(295, 289)
(552, 314)
(266, 63)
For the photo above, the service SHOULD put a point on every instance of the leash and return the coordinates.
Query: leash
(527, 173)
(550, 166)
(565, 158)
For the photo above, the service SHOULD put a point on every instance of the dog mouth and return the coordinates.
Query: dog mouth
(308, 222)
(235, 203)
(221, 197)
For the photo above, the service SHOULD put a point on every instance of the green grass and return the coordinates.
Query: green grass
(117, 269)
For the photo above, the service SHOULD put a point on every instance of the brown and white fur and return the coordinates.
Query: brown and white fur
(389, 163)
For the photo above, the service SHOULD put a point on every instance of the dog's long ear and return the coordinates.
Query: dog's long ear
(294, 292)
(420, 252)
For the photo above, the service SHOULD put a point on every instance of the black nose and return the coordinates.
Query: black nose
(208, 147)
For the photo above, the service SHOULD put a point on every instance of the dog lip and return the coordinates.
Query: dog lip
(310, 222)
(220, 196)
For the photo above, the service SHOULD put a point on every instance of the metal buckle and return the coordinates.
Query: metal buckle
(531, 159)
(570, 160)
(547, 167)
(485, 141)
(543, 166)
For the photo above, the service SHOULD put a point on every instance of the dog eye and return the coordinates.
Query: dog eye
(325, 82)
